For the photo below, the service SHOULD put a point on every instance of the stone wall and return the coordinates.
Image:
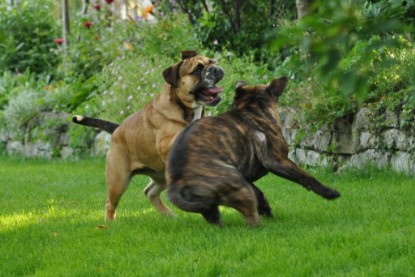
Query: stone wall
(51, 136)
(352, 141)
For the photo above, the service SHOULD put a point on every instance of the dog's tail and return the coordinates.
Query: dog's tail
(95, 122)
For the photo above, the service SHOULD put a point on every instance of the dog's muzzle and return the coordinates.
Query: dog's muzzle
(207, 92)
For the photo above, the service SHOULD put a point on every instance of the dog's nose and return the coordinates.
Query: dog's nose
(217, 71)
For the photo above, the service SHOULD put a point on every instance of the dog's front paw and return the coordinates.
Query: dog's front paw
(265, 210)
(331, 194)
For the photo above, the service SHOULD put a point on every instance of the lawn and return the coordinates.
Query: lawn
(52, 224)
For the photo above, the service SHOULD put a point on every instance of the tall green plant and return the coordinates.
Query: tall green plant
(27, 34)
(240, 26)
(339, 48)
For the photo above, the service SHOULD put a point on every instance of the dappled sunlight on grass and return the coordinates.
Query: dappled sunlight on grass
(53, 212)
(14, 221)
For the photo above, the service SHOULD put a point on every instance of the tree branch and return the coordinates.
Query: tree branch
(182, 6)
(228, 15)
(205, 6)
(85, 7)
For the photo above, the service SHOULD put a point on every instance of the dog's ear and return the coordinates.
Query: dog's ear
(239, 91)
(239, 88)
(187, 54)
(277, 86)
(171, 74)
(240, 83)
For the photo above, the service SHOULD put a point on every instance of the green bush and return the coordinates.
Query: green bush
(390, 85)
(339, 55)
(27, 35)
(132, 81)
(22, 111)
(134, 76)
(243, 27)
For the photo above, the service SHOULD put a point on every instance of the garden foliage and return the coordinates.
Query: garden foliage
(343, 55)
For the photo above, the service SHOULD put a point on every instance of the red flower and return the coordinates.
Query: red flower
(109, 1)
(97, 7)
(88, 24)
(58, 40)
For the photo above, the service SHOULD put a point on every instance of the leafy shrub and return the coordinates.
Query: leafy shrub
(93, 46)
(27, 37)
(338, 54)
(132, 81)
(167, 38)
(22, 111)
(129, 83)
(240, 26)
(389, 86)
(134, 77)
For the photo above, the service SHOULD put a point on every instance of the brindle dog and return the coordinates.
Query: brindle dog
(215, 160)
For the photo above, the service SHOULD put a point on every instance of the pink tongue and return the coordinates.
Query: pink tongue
(214, 90)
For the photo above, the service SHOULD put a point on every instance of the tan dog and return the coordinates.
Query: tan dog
(215, 159)
(141, 144)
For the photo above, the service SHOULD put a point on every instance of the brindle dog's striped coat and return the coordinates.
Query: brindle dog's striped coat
(215, 160)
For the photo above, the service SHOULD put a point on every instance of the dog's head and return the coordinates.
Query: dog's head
(261, 99)
(194, 79)
(246, 94)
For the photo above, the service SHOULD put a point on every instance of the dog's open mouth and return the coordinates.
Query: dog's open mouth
(209, 96)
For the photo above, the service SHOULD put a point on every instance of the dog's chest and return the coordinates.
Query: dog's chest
(197, 113)
(249, 164)
(260, 137)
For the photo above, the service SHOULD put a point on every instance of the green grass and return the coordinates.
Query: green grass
(50, 213)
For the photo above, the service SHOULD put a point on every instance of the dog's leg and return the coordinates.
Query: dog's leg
(118, 176)
(245, 201)
(152, 191)
(263, 206)
(287, 169)
(212, 216)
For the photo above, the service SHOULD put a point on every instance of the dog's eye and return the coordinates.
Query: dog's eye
(198, 70)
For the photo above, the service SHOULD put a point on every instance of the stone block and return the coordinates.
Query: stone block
(364, 141)
(66, 152)
(345, 140)
(15, 148)
(101, 143)
(361, 120)
(287, 135)
(38, 149)
(395, 139)
(377, 158)
(288, 119)
(403, 162)
(311, 158)
(391, 119)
